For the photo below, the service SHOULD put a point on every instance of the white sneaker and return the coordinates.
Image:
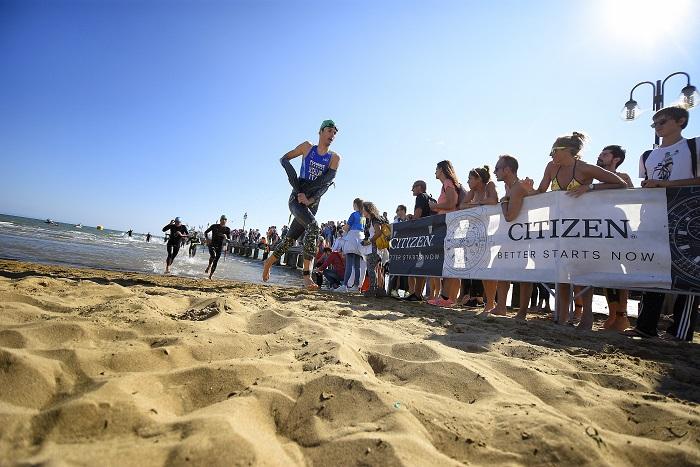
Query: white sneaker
(352, 289)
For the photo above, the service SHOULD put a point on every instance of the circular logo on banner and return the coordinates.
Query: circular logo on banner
(684, 236)
(466, 242)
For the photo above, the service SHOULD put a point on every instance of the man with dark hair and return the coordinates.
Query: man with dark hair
(318, 169)
(610, 158)
(400, 214)
(674, 163)
(219, 233)
(506, 171)
(421, 209)
(332, 268)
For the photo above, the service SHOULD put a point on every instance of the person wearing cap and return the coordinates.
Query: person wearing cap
(318, 169)
(219, 233)
(177, 232)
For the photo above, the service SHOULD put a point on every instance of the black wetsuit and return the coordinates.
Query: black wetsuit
(218, 234)
(174, 240)
(194, 241)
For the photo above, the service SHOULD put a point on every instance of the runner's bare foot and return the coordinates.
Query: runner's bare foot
(267, 265)
(499, 311)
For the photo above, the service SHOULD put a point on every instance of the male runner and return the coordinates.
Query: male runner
(318, 169)
(177, 232)
(219, 232)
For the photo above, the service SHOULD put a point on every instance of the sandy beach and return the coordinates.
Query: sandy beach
(111, 368)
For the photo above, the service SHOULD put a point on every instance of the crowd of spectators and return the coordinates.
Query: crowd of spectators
(354, 248)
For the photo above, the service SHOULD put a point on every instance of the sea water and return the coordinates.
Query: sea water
(63, 244)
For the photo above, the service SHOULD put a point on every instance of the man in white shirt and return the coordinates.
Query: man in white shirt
(674, 163)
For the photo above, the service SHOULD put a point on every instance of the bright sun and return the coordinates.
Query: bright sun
(646, 23)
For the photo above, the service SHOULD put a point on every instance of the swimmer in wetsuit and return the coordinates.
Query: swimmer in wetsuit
(219, 233)
(194, 241)
(177, 232)
(318, 169)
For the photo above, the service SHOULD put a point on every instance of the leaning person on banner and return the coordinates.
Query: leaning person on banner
(421, 209)
(610, 158)
(506, 171)
(567, 172)
(448, 201)
(674, 163)
(482, 192)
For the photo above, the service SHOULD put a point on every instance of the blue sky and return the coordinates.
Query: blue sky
(128, 113)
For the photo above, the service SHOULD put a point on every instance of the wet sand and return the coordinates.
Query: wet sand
(111, 368)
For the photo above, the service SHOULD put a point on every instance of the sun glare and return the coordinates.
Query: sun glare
(645, 23)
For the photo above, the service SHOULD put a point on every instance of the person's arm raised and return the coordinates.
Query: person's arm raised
(546, 179)
(512, 205)
(491, 194)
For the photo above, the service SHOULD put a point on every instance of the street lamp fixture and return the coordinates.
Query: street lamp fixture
(631, 110)
(689, 98)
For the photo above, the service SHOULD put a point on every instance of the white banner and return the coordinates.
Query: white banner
(609, 238)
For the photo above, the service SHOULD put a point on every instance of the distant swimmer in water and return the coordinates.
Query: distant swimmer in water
(148, 237)
(194, 241)
(219, 232)
(318, 168)
(177, 231)
(129, 232)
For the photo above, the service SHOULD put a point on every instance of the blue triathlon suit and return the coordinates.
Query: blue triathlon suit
(314, 164)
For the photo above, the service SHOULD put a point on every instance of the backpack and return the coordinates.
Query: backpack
(431, 212)
(382, 241)
(692, 146)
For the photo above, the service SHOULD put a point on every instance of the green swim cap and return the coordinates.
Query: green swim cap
(328, 123)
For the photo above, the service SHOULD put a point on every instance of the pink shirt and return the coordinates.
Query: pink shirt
(443, 196)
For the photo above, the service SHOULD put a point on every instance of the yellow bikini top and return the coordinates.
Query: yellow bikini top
(573, 184)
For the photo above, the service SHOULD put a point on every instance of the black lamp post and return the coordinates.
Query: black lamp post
(689, 98)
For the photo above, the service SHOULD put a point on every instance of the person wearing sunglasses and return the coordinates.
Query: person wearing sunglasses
(506, 171)
(674, 163)
(567, 172)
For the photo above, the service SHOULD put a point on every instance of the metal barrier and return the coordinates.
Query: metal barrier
(293, 258)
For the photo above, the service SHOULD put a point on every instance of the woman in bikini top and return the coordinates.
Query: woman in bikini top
(566, 152)
(573, 184)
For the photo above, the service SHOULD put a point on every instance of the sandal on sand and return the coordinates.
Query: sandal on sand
(634, 332)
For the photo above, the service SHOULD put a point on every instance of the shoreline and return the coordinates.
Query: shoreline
(133, 368)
